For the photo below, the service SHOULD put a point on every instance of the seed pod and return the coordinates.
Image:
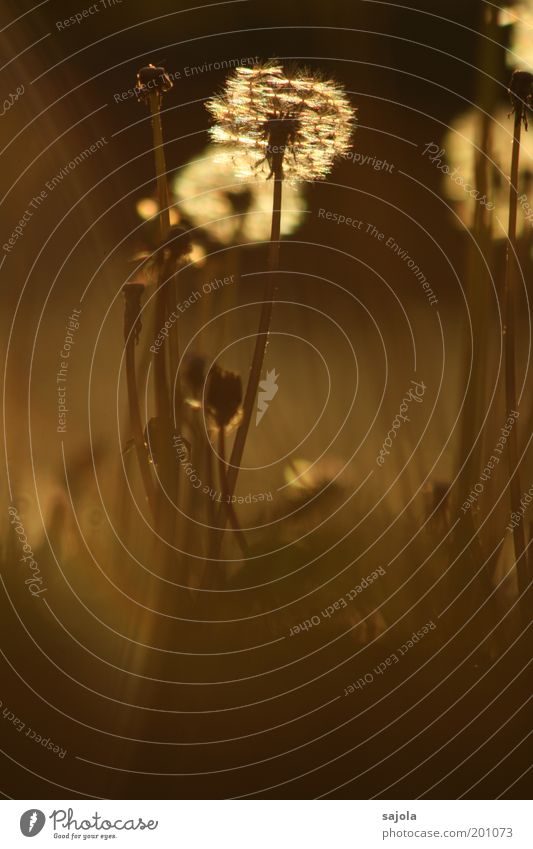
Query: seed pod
(150, 80)
(223, 396)
(521, 91)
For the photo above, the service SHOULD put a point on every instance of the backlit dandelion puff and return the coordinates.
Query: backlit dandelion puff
(264, 112)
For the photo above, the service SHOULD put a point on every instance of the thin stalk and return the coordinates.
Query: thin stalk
(167, 279)
(526, 263)
(472, 435)
(466, 541)
(261, 338)
(131, 331)
(211, 512)
(529, 554)
(162, 397)
(135, 419)
(509, 295)
(160, 166)
(226, 497)
(481, 245)
(167, 468)
(259, 352)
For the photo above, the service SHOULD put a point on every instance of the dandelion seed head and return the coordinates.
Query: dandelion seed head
(520, 17)
(297, 122)
(232, 209)
(460, 145)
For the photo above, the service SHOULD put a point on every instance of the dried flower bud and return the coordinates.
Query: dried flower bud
(521, 91)
(151, 80)
(223, 396)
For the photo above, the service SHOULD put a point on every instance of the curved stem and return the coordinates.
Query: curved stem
(131, 329)
(167, 468)
(160, 166)
(261, 338)
(226, 497)
(167, 277)
(259, 353)
(211, 512)
(160, 313)
(509, 294)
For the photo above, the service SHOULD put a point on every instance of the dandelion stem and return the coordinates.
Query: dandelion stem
(132, 293)
(226, 498)
(162, 399)
(160, 166)
(509, 295)
(168, 280)
(261, 338)
(211, 512)
(167, 470)
(259, 352)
